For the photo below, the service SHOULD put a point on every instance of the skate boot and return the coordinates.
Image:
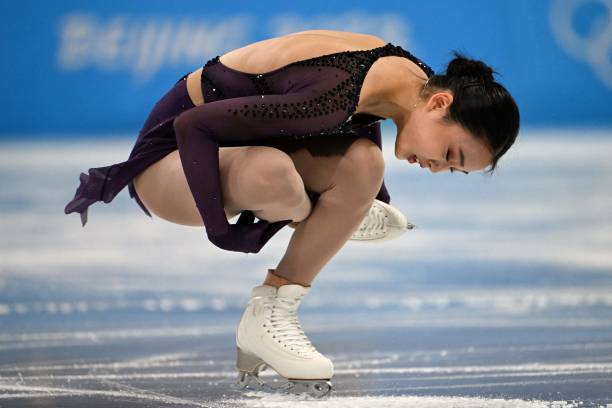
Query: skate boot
(269, 335)
(383, 222)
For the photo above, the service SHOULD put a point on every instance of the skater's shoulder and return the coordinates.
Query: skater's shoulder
(271, 55)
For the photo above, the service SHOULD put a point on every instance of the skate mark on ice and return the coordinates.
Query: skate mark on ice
(281, 401)
(456, 372)
(147, 393)
(16, 391)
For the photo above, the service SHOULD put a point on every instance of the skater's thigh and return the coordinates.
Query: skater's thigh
(163, 188)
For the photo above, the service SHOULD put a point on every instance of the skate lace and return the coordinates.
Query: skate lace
(285, 327)
(374, 223)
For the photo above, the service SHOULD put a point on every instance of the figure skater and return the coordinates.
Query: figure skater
(288, 130)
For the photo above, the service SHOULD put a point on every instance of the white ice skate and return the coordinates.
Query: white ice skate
(269, 334)
(382, 223)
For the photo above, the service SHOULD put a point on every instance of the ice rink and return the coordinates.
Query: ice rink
(502, 297)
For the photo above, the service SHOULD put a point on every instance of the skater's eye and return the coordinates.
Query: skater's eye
(452, 170)
(448, 159)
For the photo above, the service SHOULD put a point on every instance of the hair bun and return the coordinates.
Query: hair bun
(462, 67)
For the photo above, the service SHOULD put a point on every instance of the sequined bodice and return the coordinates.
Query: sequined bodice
(329, 86)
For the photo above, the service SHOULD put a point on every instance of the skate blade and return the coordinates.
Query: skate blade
(249, 367)
(251, 382)
(313, 388)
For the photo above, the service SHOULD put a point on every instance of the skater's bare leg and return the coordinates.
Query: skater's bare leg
(272, 184)
(258, 178)
(348, 185)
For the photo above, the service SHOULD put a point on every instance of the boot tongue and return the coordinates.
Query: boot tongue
(263, 290)
(292, 291)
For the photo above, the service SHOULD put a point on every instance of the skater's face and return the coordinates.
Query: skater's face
(433, 142)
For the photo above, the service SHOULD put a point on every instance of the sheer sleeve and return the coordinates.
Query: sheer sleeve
(201, 130)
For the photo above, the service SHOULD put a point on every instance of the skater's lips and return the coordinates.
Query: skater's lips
(414, 159)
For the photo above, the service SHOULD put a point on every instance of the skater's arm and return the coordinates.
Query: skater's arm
(201, 130)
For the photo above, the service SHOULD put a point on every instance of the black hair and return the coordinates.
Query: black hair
(480, 104)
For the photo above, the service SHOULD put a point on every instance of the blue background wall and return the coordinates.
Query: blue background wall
(75, 67)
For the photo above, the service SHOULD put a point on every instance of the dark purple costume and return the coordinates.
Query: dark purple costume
(308, 103)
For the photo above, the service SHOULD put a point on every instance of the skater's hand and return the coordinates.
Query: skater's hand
(246, 236)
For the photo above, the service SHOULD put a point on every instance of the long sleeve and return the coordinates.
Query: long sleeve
(200, 132)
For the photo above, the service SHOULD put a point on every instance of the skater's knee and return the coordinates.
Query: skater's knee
(182, 123)
(277, 178)
(362, 167)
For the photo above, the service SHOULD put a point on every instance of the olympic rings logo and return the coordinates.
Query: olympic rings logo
(596, 48)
